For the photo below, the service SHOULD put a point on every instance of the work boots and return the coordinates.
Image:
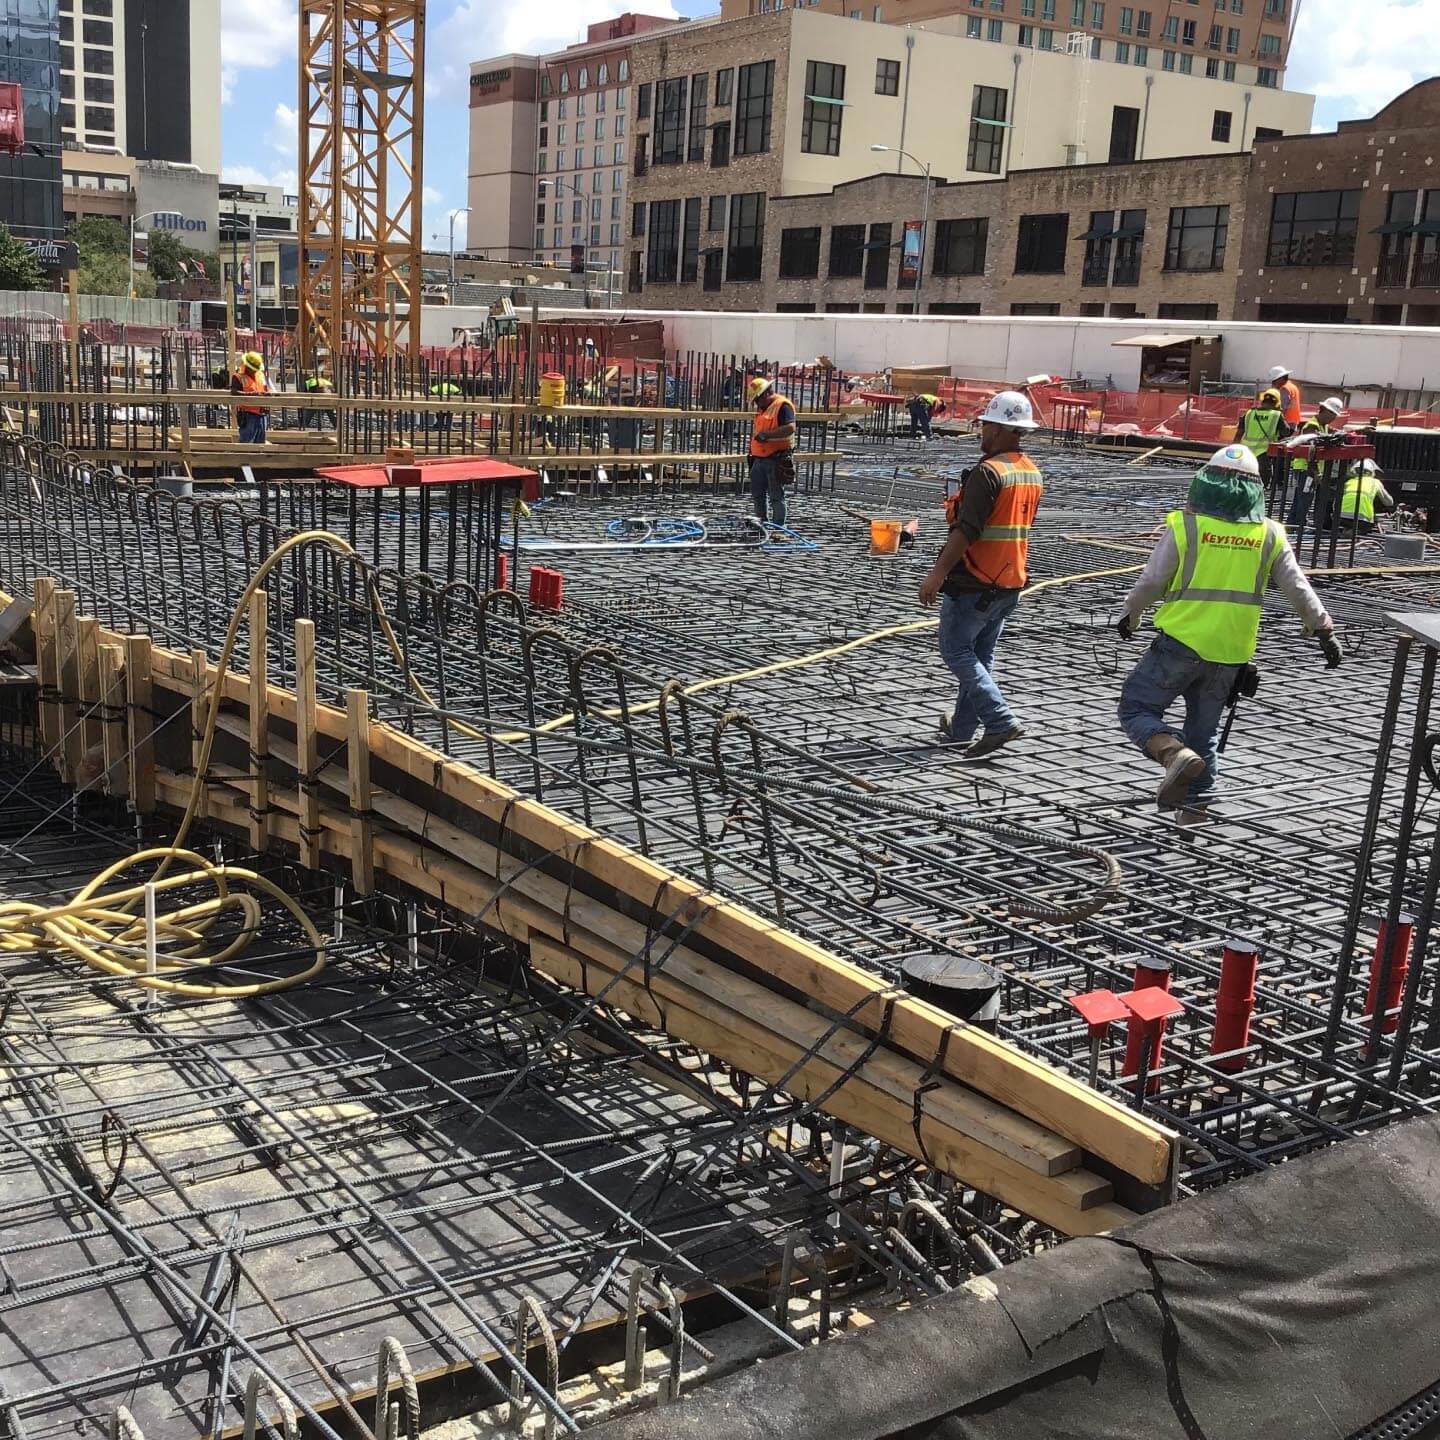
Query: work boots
(1182, 768)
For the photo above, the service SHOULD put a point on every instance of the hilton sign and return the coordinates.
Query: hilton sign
(173, 220)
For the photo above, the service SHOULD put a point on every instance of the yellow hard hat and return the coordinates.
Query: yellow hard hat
(758, 386)
(254, 360)
(1270, 396)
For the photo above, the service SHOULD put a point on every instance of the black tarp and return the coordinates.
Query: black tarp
(1300, 1304)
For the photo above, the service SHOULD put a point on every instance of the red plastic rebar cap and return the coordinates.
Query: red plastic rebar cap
(1151, 1004)
(1099, 1008)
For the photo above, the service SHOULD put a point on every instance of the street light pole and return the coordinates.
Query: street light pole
(463, 210)
(924, 215)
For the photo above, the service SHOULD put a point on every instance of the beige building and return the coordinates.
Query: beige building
(1232, 41)
(795, 103)
(97, 183)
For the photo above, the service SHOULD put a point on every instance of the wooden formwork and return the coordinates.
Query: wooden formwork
(588, 911)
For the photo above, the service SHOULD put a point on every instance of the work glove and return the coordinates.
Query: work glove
(1126, 627)
(1330, 649)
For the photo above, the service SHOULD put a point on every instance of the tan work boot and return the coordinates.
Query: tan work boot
(1182, 768)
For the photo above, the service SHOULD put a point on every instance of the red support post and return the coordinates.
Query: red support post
(1147, 973)
(1235, 1003)
(1399, 968)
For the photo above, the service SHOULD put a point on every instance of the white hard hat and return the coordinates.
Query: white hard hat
(1237, 458)
(1334, 404)
(1369, 467)
(1011, 409)
(1279, 372)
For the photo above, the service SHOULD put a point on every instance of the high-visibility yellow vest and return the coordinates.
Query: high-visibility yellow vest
(1218, 589)
(1359, 495)
(1259, 430)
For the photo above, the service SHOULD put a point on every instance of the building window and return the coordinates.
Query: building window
(1127, 20)
(1142, 55)
(1142, 24)
(1167, 59)
(602, 75)
(1187, 64)
(1220, 127)
(847, 252)
(754, 98)
(642, 102)
(1098, 241)
(800, 253)
(1215, 38)
(1027, 36)
(97, 32)
(619, 126)
(1097, 14)
(641, 165)
(1047, 40)
(972, 28)
(623, 72)
(714, 258)
(100, 62)
(724, 86)
(584, 77)
(1396, 232)
(720, 145)
(960, 247)
(1227, 71)
(1267, 77)
(887, 77)
(699, 124)
(1128, 240)
(1124, 133)
(820, 125)
(637, 219)
(1031, 307)
(747, 221)
(877, 257)
(1187, 33)
(564, 82)
(1212, 69)
(690, 243)
(1122, 53)
(1197, 237)
(1192, 311)
(664, 241)
(669, 147)
(1315, 227)
(717, 213)
(633, 283)
(995, 30)
(1040, 244)
(987, 130)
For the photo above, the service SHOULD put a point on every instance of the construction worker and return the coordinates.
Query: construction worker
(772, 446)
(923, 409)
(1362, 496)
(1262, 425)
(250, 379)
(316, 383)
(982, 569)
(1211, 568)
(443, 389)
(1320, 428)
(1289, 394)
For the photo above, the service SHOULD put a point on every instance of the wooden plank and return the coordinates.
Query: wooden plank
(138, 706)
(92, 738)
(112, 718)
(13, 616)
(307, 747)
(199, 718)
(67, 660)
(259, 720)
(362, 828)
(47, 674)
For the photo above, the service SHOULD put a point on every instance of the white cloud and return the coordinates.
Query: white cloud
(256, 35)
(1358, 57)
(478, 29)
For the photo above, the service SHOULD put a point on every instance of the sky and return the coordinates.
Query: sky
(1353, 55)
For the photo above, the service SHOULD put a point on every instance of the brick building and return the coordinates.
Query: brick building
(1346, 226)
(1231, 41)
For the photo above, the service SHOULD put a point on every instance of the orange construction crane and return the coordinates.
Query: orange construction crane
(362, 68)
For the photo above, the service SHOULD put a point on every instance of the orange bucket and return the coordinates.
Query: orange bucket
(885, 537)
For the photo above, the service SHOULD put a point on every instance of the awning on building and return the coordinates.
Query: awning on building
(1146, 341)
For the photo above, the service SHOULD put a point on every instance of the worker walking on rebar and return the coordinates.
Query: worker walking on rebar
(250, 380)
(982, 569)
(1211, 568)
(1362, 496)
(1289, 394)
(923, 409)
(772, 446)
(444, 389)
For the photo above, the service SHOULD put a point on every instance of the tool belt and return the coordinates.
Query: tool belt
(1246, 686)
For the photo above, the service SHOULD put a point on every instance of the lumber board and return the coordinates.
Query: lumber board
(199, 718)
(67, 660)
(307, 743)
(357, 746)
(112, 718)
(259, 721)
(47, 674)
(138, 703)
(87, 633)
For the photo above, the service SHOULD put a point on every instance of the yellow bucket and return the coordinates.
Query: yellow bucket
(885, 537)
(552, 389)
(1228, 433)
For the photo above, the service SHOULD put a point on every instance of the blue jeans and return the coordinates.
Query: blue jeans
(969, 631)
(765, 483)
(252, 428)
(920, 421)
(1300, 498)
(1167, 672)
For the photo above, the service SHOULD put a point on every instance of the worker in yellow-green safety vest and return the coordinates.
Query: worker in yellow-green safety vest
(1362, 496)
(443, 389)
(1262, 425)
(316, 383)
(1211, 568)
(1320, 428)
(923, 409)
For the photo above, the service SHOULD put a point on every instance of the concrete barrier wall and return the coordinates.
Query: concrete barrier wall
(1354, 357)
(92, 307)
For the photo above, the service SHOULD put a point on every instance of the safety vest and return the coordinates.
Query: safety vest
(1310, 427)
(444, 387)
(1000, 555)
(253, 382)
(1290, 402)
(317, 382)
(1359, 495)
(932, 402)
(769, 419)
(1259, 430)
(1218, 589)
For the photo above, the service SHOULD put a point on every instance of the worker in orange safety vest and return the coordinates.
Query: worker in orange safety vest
(772, 443)
(250, 379)
(982, 569)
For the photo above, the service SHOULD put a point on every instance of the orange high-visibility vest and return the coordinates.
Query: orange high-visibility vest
(253, 382)
(1000, 555)
(769, 419)
(1290, 402)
